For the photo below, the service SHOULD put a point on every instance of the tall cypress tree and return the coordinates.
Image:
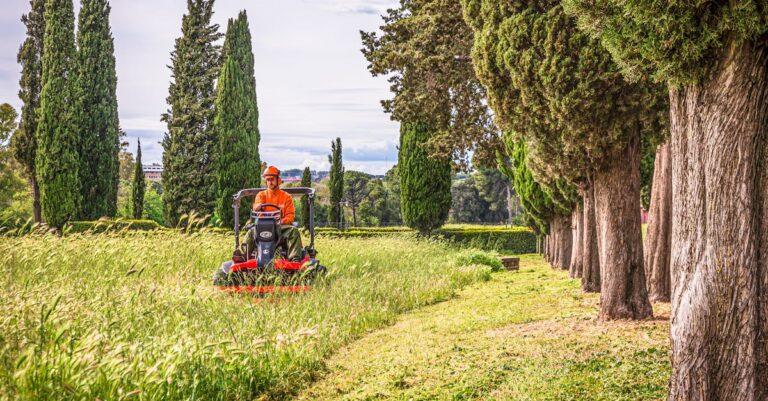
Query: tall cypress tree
(24, 142)
(306, 182)
(190, 144)
(95, 118)
(425, 183)
(237, 120)
(139, 185)
(57, 153)
(336, 181)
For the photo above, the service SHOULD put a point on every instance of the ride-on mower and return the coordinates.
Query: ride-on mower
(264, 267)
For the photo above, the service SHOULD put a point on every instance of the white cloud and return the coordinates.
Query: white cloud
(373, 7)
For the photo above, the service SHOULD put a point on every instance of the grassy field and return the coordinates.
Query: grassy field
(133, 315)
(527, 335)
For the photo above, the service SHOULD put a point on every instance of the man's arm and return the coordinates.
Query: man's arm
(289, 211)
(257, 200)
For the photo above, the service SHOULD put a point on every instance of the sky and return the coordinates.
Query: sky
(312, 82)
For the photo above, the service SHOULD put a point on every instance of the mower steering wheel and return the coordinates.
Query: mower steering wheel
(260, 207)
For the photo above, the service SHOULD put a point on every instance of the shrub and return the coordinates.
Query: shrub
(475, 257)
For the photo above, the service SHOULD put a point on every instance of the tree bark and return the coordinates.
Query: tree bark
(560, 242)
(719, 264)
(577, 218)
(564, 242)
(620, 244)
(658, 240)
(36, 211)
(590, 265)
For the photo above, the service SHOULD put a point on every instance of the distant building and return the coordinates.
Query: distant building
(153, 172)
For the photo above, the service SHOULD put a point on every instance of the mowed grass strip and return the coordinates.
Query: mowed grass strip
(527, 335)
(133, 315)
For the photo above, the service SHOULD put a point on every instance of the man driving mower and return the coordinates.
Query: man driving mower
(276, 196)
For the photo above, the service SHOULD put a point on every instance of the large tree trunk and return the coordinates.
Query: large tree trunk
(590, 265)
(720, 232)
(620, 244)
(36, 211)
(576, 255)
(560, 233)
(658, 241)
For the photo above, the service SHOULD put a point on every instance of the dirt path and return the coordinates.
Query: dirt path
(527, 335)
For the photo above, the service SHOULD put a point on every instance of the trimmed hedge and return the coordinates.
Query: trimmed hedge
(100, 226)
(514, 240)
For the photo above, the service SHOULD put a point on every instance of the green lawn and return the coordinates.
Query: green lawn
(527, 335)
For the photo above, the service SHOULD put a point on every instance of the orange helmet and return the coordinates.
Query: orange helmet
(274, 172)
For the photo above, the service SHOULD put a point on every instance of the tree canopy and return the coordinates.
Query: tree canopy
(236, 124)
(336, 181)
(95, 116)
(57, 142)
(425, 183)
(190, 144)
(424, 48)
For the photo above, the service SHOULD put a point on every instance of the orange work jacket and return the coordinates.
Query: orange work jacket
(279, 198)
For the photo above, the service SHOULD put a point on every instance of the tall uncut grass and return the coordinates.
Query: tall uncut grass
(133, 315)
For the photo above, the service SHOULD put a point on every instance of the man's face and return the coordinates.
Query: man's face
(271, 182)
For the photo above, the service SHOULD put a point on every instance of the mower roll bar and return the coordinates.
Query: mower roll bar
(246, 193)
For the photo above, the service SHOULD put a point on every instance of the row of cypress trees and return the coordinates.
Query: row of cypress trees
(211, 145)
(582, 84)
(68, 140)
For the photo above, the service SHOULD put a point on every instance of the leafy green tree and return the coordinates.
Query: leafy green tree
(190, 144)
(356, 190)
(237, 120)
(382, 205)
(95, 116)
(336, 181)
(480, 197)
(425, 183)
(466, 204)
(582, 122)
(392, 187)
(492, 186)
(423, 48)
(57, 152)
(139, 185)
(10, 182)
(306, 182)
(126, 165)
(714, 57)
(24, 142)
(153, 205)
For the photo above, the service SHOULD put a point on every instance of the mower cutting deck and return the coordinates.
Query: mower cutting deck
(265, 268)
